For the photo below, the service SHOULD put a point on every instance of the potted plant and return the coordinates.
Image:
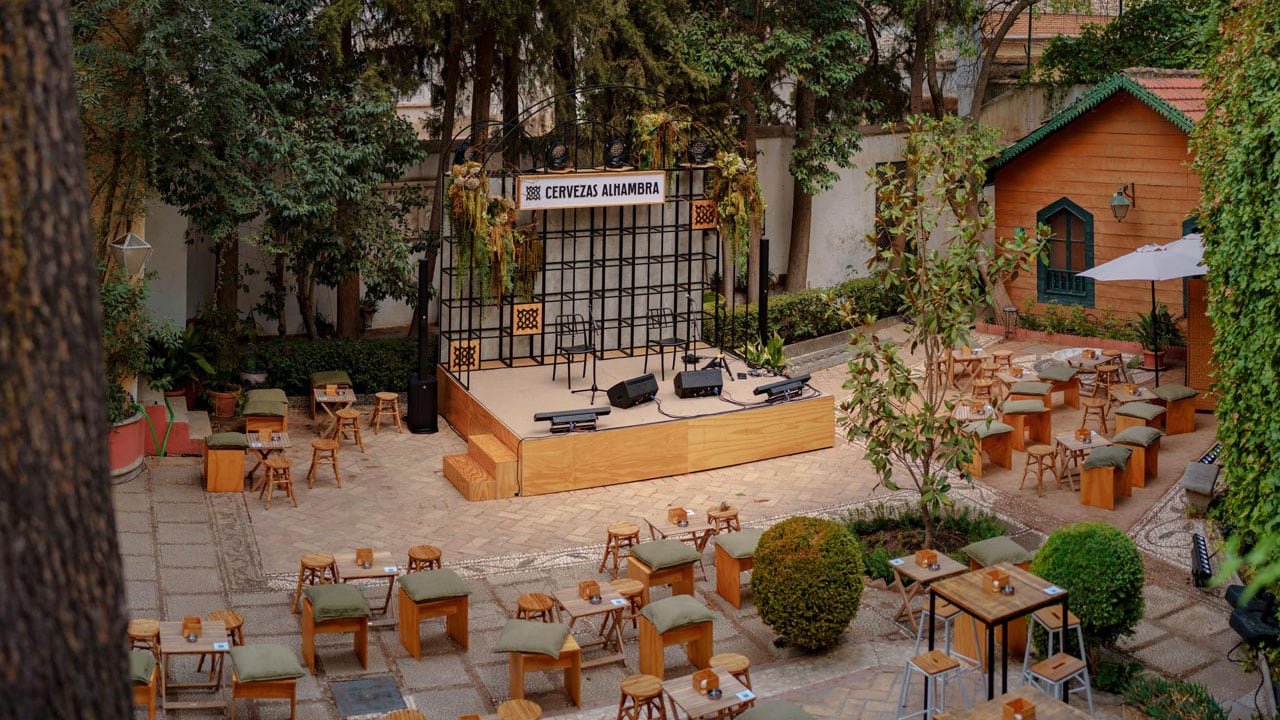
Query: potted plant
(368, 307)
(253, 367)
(176, 363)
(222, 334)
(1157, 332)
(125, 329)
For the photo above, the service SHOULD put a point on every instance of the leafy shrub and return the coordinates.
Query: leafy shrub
(125, 327)
(1101, 568)
(1076, 320)
(375, 364)
(1113, 676)
(807, 580)
(898, 530)
(799, 315)
(1162, 699)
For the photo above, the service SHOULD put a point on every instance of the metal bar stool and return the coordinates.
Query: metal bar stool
(937, 668)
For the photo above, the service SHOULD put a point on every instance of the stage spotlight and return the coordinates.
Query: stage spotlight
(563, 421)
(699, 151)
(615, 153)
(783, 390)
(460, 155)
(557, 155)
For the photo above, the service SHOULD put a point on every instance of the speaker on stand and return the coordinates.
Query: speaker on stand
(422, 386)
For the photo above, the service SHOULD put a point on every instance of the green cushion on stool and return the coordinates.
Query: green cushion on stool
(676, 612)
(1146, 411)
(984, 429)
(1114, 456)
(1022, 407)
(1058, 373)
(226, 441)
(141, 664)
(740, 544)
(1030, 387)
(337, 600)
(265, 408)
(660, 554)
(777, 710)
(433, 585)
(996, 550)
(1174, 393)
(1139, 435)
(268, 395)
(330, 377)
(260, 663)
(528, 636)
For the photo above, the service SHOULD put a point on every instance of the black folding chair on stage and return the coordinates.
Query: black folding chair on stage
(662, 335)
(573, 338)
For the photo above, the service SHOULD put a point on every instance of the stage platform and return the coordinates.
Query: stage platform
(509, 454)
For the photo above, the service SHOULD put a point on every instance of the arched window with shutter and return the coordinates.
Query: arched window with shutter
(1068, 252)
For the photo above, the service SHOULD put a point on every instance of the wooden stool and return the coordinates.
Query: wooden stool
(1115, 357)
(144, 634)
(1105, 375)
(1003, 357)
(404, 715)
(347, 420)
(633, 591)
(736, 665)
(520, 663)
(724, 520)
(937, 668)
(520, 709)
(1038, 424)
(1096, 407)
(357, 624)
(1039, 461)
(983, 389)
(735, 554)
(279, 474)
(235, 628)
(996, 440)
(1051, 675)
(455, 611)
(1138, 414)
(144, 671)
(641, 693)
(282, 687)
(314, 569)
(622, 535)
(385, 403)
(686, 622)
(323, 451)
(987, 370)
(535, 606)
(680, 577)
(1099, 485)
(424, 557)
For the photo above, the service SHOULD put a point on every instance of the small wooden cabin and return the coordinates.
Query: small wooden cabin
(1132, 130)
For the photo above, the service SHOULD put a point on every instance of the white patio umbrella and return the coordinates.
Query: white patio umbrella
(1191, 244)
(1152, 263)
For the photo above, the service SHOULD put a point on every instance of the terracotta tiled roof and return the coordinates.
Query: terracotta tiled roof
(1182, 89)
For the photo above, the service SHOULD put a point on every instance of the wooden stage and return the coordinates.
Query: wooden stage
(509, 454)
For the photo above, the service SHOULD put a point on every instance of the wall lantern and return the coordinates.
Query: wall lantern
(1122, 201)
(131, 253)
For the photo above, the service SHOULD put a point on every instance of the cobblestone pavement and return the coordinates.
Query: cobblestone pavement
(187, 552)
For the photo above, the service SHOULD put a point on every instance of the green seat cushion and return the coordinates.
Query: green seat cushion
(265, 408)
(1021, 407)
(740, 544)
(259, 663)
(1200, 478)
(1058, 373)
(660, 554)
(267, 394)
(1114, 456)
(996, 550)
(984, 429)
(676, 612)
(1174, 393)
(226, 441)
(1030, 387)
(777, 710)
(1146, 411)
(528, 636)
(337, 600)
(433, 585)
(1139, 435)
(141, 664)
(330, 377)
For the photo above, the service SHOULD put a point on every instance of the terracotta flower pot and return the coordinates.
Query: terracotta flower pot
(224, 403)
(126, 447)
(1150, 359)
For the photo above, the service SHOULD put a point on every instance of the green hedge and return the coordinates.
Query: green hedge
(375, 364)
(800, 315)
(807, 581)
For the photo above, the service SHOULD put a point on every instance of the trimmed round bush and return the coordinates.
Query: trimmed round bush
(1101, 569)
(807, 581)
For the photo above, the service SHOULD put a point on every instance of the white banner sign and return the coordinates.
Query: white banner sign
(554, 192)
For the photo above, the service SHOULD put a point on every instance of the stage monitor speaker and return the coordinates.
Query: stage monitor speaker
(699, 383)
(629, 393)
(422, 405)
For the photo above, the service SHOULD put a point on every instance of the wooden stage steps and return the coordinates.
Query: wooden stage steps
(488, 471)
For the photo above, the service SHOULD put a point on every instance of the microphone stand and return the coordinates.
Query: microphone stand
(594, 350)
(689, 357)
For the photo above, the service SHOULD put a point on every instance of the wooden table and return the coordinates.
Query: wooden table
(610, 607)
(278, 444)
(969, 365)
(969, 593)
(1070, 450)
(735, 697)
(696, 533)
(1121, 395)
(1090, 364)
(1047, 708)
(1006, 378)
(342, 399)
(964, 414)
(213, 641)
(383, 568)
(906, 567)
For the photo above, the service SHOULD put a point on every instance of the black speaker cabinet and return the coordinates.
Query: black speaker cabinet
(699, 383)
(422, 405)
(634, 391)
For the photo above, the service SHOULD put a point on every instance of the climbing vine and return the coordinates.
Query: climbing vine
(492, 251)
(739, 201)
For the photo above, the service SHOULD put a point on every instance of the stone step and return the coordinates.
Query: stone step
(465, 474)
(497, 460)
(198, 425)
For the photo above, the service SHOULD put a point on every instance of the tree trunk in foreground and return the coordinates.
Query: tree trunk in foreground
(62, 651)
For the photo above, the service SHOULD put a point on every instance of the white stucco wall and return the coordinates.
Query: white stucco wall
(166, 230)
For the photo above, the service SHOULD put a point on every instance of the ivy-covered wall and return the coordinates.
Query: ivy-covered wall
(1238, 157)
